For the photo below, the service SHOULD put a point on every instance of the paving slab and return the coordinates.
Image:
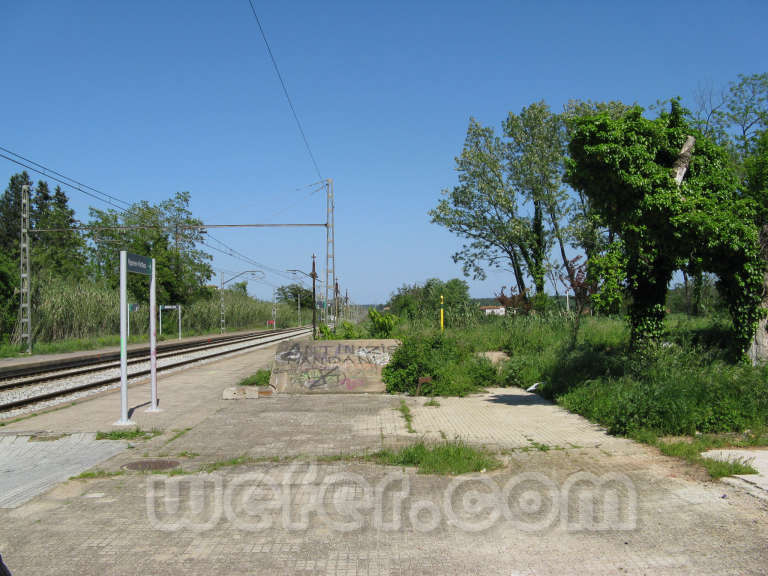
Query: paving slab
(278, 486)
(331, 366)
(31, 464)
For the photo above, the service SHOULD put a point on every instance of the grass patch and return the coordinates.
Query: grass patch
(186, 454)
(133, 434)
(90, 474)
(237, 461)
(448, 458)
(432, 402)
(690, 450)
(407, 416)
(178, 434)
(260, 378)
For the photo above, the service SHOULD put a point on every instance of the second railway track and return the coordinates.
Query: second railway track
(46, 382)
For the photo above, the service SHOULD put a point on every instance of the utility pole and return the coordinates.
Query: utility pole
(335, 304)
(330, 247)
(274, 309)
(314, 300)
(221, 300)
(298, 307)
(25, 303)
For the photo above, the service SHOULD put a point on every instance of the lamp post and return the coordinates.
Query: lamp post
(313, 275)
(258, 273)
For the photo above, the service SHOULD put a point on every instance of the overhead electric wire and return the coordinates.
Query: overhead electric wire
(64, 176)
(285, 90)
(69, 185)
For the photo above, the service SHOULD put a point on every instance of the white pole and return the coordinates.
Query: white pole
(179, 321)
(153, 340)
(124, 421)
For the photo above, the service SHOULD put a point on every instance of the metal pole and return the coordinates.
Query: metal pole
(25, 303)
(179, 305)
(221, 299)
(153, 339)
(298, 307)
(274, 310)
(442, 315)
(314, 300)
(124, 421)
(161, 320)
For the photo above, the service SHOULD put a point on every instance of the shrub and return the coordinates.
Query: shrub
(454, 369)
(381, 324)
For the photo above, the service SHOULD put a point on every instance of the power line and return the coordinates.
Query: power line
(67, 184)
(285, 90)
(64, 176)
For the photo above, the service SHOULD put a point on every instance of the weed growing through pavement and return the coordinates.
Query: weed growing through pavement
(260, 378)
(134, 434)
(407, 416)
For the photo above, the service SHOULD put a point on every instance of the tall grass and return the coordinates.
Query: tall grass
(65, 309)
(691, 384)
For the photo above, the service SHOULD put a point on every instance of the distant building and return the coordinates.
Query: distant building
(494, 310)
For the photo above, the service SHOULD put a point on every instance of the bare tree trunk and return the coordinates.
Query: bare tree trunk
(758, 351)
(680, 167)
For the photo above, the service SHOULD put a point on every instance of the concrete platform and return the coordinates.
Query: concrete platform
(279, 486)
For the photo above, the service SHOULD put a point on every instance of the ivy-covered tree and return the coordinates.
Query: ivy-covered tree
(668, 192)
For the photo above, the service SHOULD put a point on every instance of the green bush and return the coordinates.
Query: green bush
(454, 369)
(381, 324)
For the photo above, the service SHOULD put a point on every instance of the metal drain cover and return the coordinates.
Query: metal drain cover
(148, 465)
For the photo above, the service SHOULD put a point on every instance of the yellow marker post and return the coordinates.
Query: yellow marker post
(442, 315)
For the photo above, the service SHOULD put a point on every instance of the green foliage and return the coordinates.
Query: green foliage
(453, 368)
(405, 411)
(260, 378)
(9, 282)
(624, 165)
(446, 458)
(345, 331)
(182, 268)
(607, 269)
(419, 300)
(133, 434)
(295, 293)
(381, 324)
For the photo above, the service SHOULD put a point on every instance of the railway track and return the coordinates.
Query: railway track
(27, 386)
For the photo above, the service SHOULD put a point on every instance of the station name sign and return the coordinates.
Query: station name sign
(139, 264)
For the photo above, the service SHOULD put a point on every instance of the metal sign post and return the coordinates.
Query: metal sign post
(138, 265)
(153, 338)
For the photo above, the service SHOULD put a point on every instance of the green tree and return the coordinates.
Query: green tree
(160, 231)
(626, 166)
(60, 253)
(295, 293)
(10, 215)
(485, 209)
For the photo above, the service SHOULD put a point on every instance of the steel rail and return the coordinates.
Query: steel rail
(283, 335)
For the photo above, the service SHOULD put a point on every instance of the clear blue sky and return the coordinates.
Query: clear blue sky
(142, 99)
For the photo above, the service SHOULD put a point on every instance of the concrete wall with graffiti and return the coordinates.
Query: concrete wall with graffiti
(331, 366)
